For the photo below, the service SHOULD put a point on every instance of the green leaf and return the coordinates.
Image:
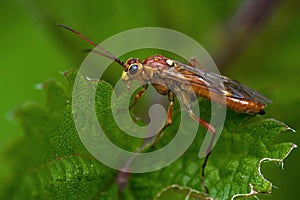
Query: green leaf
(234, 168)
(50, 162)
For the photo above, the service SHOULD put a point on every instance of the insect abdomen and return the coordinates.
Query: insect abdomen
(245, 106)
(236, 104)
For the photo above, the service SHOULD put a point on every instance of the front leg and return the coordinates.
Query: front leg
(136, 98)
(139, 95)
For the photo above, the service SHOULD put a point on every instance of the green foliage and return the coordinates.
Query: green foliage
(34, 49)
(50, 162)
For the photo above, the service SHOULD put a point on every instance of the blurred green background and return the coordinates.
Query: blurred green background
(255, 41)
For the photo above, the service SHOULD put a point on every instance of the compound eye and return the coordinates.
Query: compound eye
(133, 69)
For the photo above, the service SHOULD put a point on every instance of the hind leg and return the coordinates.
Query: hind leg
(212, 130)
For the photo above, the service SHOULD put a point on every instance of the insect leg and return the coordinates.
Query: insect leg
(211, 129)
(194, 62)
(169, 117)
(138, 95)
(170, 108)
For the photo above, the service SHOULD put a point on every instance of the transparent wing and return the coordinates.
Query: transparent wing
(214, 83)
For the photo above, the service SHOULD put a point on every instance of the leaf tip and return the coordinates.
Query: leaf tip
(290, 129)
(92, 79)
(294, 146)
(175, 191)
(252, 192)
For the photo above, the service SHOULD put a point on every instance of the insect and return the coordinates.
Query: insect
(169, 76)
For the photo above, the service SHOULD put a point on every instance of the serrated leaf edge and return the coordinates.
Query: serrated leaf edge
(191, 190)
(253, 192)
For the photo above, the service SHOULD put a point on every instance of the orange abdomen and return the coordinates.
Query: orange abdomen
(236, 104)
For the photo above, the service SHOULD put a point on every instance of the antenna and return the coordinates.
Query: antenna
(101, 51)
